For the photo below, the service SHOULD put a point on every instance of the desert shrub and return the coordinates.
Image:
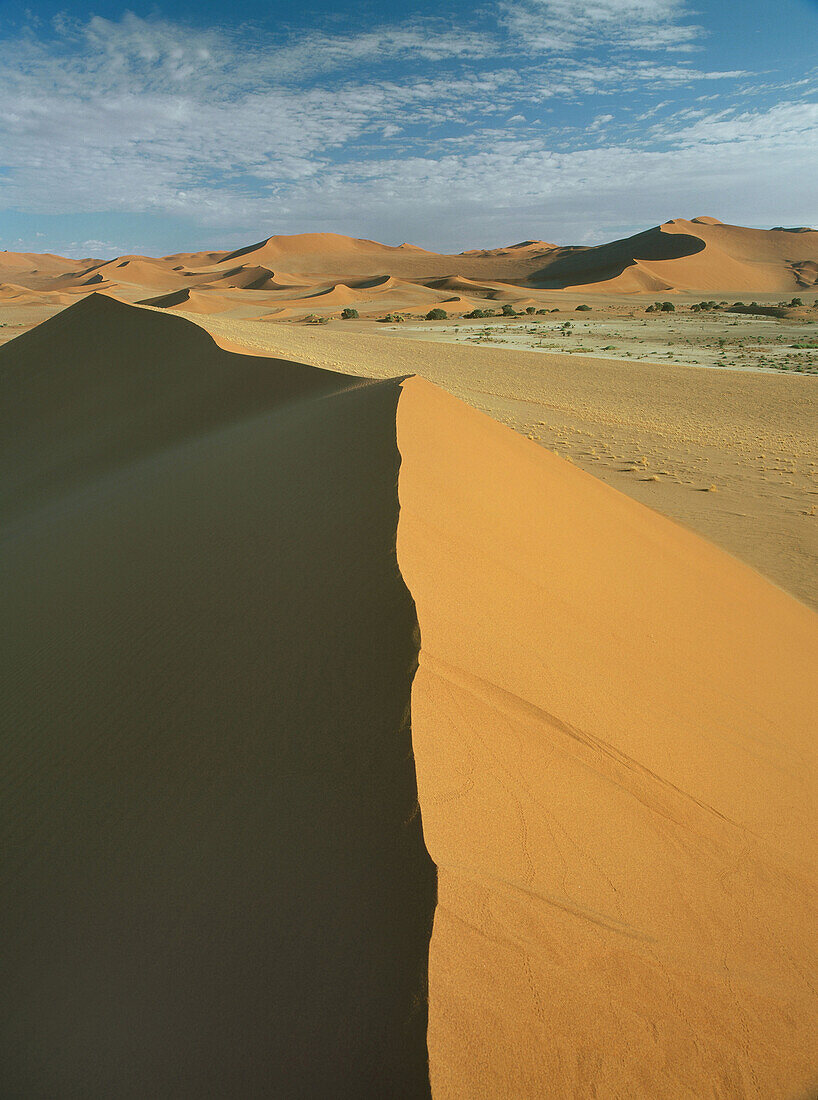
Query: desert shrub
(437, 315)
(349, 314)
(796, 302)
(531, 309)
(542, 311)
(477, 313)
(313, 319)
(583, 308)
(508, 310)
(392, 319)
(668, 307)
(755, 310)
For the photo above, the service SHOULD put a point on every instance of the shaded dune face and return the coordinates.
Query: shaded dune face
(215, 882)
(608, 261)
(104, 384)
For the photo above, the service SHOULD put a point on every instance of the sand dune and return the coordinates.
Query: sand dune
(702, 254)
(751, 433)
(136, 270)
(317, 255)
(337, 295)
(616, 776)
(475, 289)
(35, 266)
(22, 295)
(103, 384)
(13, 290)
(679, 256)
(249, 277)
(220, 882)
(308, 247)
(225, 876)
(191, 301)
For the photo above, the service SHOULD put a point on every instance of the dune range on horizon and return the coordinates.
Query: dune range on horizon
(364, 747)
(284, 277)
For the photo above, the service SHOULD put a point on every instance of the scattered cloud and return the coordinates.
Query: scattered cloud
(565, 26)
(233, 129)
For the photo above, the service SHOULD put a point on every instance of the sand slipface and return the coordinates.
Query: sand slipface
(249, 840)
(214, 877)
(614, 731)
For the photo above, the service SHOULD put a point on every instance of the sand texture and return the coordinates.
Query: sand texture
(355, 745)
(616, 769)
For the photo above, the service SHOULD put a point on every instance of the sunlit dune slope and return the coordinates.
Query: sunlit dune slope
(248, 841)
(614, 729)
(191, 301)
(36, 267)
(699, 255)
(321, 256)
(702, 254)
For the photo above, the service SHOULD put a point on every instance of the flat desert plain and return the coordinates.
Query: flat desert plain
(390, 715)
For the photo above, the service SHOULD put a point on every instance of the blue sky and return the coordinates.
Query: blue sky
(451, 126)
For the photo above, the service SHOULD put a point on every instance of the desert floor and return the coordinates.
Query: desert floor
(704, 340)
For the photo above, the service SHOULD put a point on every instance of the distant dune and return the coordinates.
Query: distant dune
(191, 301)
(701, 255)
(358, 746)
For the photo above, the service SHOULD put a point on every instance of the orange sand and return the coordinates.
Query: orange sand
(702, 255)
(241, 859)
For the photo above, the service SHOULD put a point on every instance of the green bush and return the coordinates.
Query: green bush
(668, 307)
(583, 308)
(477, 313)
(755, 310)
(349, 314)
(796, 302)
(508, 310)
(531, 309)
(437, 315)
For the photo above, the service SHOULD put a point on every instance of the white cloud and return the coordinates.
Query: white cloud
(567, 25)
(146, 116)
